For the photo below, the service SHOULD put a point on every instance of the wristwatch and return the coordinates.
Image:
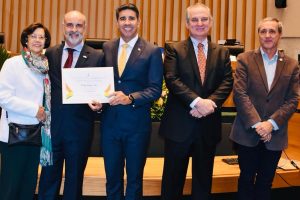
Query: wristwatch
(131, 98)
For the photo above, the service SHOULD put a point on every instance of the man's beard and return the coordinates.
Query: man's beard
(74, 41)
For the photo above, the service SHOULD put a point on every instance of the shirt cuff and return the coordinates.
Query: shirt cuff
(192, 105)
(275, 127)
(255, 125)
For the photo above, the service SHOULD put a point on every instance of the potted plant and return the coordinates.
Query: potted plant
(3, 55)
(157, 110)
(158, 106)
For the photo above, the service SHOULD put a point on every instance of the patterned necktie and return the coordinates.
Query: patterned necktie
(122, 59)
(201, 62)
(69, 60)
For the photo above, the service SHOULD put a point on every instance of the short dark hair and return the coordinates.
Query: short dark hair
(30, 29)
(127, 6)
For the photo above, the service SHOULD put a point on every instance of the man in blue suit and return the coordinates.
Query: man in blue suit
(126, 121)
(71, 124)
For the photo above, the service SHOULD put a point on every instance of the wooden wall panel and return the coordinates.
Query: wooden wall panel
(161, 20)
(161, 25)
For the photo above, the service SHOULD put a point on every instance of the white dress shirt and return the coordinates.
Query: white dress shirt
(131, 44)
(76, 54)
(205, 49)
(270, 68)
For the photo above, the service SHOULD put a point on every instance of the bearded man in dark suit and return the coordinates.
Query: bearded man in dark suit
(199, 78)
(71, 124)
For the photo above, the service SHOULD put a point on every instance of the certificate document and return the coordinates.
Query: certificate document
(82, 85)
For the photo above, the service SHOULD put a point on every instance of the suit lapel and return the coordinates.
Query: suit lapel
(209, 62)
(58, 56)
(192, 55)
(114, 58)
(83, 57)
(135, 54)
(260, 64)
(279, 68)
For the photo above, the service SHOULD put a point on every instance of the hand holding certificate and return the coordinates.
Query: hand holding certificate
(84, 85)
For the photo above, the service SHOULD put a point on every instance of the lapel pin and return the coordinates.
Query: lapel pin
(139, 49)
(84, 56)
(280, 59)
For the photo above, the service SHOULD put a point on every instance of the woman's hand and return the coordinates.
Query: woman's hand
(41, 115)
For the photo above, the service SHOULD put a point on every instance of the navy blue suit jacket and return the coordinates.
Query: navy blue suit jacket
(142, 78)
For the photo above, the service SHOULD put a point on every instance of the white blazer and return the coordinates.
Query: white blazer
(21, 94)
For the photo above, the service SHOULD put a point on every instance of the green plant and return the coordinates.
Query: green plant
(3, 55)
(158, 106)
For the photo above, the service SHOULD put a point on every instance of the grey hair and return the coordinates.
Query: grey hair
(197, 5)
(271, 19)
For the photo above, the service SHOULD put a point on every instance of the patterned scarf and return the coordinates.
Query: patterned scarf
(39, 64)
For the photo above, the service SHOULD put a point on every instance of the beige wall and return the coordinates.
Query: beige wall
(162, 20)
(290, 17)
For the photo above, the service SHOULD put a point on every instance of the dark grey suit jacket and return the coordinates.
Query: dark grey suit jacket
(255, 102)
(183, 81)
(74, 119)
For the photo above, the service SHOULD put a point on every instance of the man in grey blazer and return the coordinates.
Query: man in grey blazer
(266, 95)
(191, 124)
(71, 124)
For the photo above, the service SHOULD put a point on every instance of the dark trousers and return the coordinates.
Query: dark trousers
(258, 166)
(19, 169)
(175, 167)
(74, 155)
(129, 150)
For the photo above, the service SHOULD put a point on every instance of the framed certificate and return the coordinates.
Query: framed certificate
(83, 85)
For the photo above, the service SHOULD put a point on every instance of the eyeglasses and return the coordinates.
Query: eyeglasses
(35, 37)
(71, 25)
(264, 32)
(196, 19)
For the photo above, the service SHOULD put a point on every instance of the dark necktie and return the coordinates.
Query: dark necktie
(69, 60)
(201, 61)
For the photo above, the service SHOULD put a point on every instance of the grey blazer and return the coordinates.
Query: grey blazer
(255, 102)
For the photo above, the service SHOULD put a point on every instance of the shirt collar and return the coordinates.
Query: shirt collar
(196, 42)
(131, 43)
(265, 55)
(77, 48)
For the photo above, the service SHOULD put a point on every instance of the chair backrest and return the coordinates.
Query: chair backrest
(235, 50)
(96, 43)
(1, 38)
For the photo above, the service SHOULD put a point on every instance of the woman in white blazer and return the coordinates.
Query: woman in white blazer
(22, 82)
